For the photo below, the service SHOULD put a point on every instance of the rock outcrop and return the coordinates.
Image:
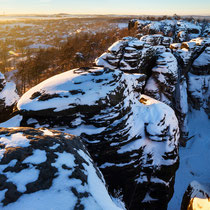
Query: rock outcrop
(161, 84)
(186, 31)
(179, 30)
(157, 40)
(197, 196)
(46, 169)
(8, 98)
(135, 144)
(163, 76)
(128, 55)
(194, 61)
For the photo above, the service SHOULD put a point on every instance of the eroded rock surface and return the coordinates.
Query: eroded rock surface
(157, 39)
(135, 144)
(41, 168)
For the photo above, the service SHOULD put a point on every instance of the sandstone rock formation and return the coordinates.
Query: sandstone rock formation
(128, 55)
(197, 196)
(194, 61)
(157, 39)
(46, 169)
(135, 144)
(8, 98)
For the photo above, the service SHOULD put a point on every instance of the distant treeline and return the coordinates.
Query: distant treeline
(79, 51)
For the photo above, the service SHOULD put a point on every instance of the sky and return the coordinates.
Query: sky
(127, 7)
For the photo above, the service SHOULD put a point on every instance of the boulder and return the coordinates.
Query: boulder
(8, 98)
(41, 168)
(135, 144)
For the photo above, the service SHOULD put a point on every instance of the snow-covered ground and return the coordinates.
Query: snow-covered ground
(194, 158)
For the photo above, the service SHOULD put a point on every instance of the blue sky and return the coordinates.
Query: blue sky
(135, 7)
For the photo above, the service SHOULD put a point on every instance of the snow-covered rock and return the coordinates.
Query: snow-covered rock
(201, 65)
(135, 144)
(46, 169)
(189, 51)
(166, 27)
(161, 84)
(187, 30)
(180, 30)
(157, 39)
(8, 97)
(193, 79)
(196, 196)
(128, 55)
(199, 91)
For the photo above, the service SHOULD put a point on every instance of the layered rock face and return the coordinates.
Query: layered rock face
(128, 55)
(157, 39)
(134, 143)
(8, 98)
(174, 74)
(41, 168)
(163, 76)
(195, 65)
(197, 196)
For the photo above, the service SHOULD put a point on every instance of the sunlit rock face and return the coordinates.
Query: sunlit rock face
(8, 97)
(128, 55)
(41, 168)
(196, 196)
(135, 144)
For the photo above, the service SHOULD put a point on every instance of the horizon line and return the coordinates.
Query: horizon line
(105, 14)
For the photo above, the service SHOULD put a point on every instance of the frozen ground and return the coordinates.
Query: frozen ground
(194, 158)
